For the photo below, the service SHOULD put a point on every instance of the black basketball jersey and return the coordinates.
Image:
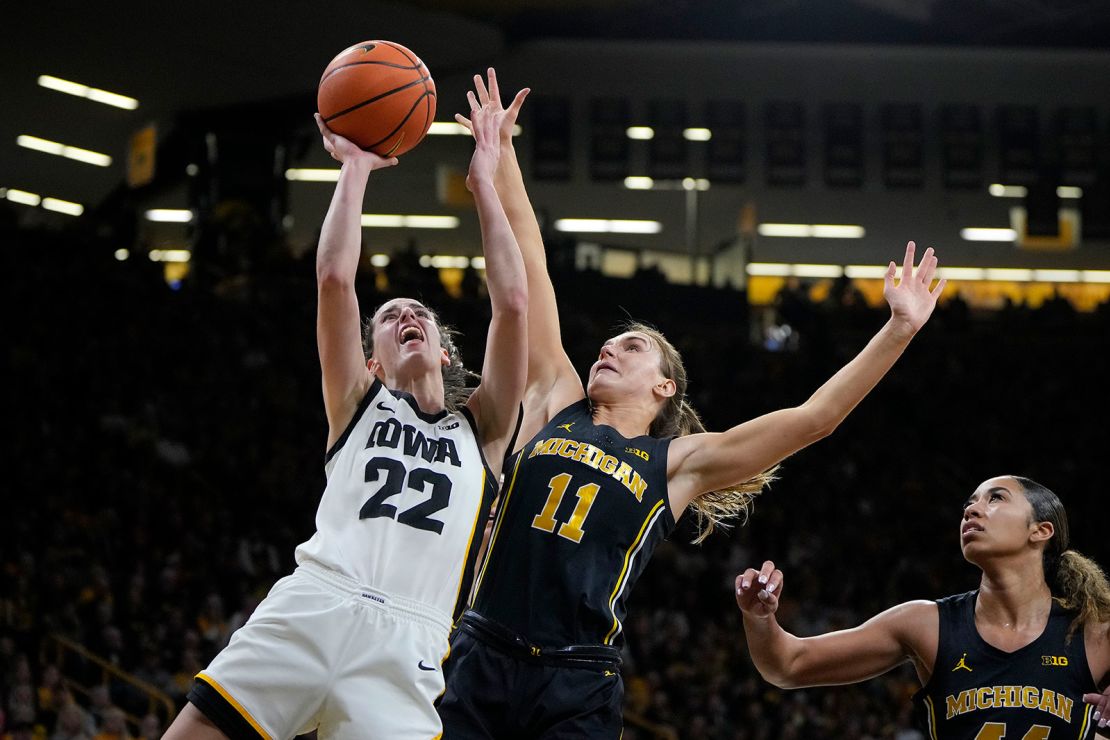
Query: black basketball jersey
(581, 512)
(978, 691)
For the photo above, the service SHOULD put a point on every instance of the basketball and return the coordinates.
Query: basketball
(379, 95)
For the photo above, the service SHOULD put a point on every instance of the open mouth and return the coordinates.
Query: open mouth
(969, 528)
(411, 334)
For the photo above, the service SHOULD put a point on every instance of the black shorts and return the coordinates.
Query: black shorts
(502, 690)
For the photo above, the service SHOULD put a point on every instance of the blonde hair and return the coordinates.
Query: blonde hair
(457, 385)
(678, 418)
(1076, 581)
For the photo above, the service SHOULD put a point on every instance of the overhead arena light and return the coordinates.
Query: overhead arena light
(639, 183)
(697, 134)
(57, 205)
(799, 230)
(966, 274)
(22, 197)
(998, 190)
(399, 221)
(1068, 192)
(304, 174)
(820, 231)
(640, 133)
(63, 150)
(608, 226)
(170, 255)
(84, 91)
(451, 128)
(977, 234)
(63, 206)
(169, 215)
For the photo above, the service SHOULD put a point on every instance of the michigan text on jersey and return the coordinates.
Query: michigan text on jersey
(596, 458)
(991, 697)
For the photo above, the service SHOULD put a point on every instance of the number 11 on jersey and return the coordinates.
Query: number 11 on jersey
(572, 529)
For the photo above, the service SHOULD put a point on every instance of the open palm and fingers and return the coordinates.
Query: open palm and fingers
(344, 150)
(487, 151)
(911, 300)
(489, 96)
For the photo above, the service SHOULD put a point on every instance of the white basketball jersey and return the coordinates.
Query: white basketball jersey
(405, 503)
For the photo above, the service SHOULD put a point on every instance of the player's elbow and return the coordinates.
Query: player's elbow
(815, 422)
(514, 302)
(330, 277)
(778, 676)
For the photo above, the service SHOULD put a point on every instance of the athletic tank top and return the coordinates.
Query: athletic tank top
(582, 510)
(405, 503)
(982, 693)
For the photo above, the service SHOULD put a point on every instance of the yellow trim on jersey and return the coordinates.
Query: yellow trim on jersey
(624, 571)
(932, 717)
(470, 540)
(501, 508)
(1086, 721)
(231, 700)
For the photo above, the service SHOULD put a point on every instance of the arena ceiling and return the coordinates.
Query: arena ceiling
(176, 57)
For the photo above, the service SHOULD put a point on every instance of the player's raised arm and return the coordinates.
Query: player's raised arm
(846, 656)
(553, 382)
(496, 402)
(700, 463)
(338, 321)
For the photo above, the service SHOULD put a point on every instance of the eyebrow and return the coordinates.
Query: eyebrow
(995, 489)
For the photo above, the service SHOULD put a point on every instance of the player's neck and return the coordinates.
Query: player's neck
(426, 388)
(1013, 596)
(627, 417)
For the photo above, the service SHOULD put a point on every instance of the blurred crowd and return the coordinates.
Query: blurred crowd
(167, 449)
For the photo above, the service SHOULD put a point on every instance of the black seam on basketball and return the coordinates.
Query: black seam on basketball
(399, 125)
(427, 116)
(382, 64)
(403, 52)
(333, 116)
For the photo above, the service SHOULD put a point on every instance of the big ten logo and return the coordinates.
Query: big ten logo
(1060, 660)
(638, 453)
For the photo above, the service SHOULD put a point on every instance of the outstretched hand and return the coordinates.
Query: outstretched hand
(344, 150)
(757, 591)
(911, 300)
(490, 99)
(487, 151)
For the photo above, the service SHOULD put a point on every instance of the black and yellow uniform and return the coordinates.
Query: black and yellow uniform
(978, 691)
(537, 654)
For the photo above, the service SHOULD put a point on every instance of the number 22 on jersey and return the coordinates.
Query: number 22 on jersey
(417, 516)
(572, 528)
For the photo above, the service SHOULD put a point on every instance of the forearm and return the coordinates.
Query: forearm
(834, 400)
(518, 208)
(341, 234)
(772, 648)
(505, 275)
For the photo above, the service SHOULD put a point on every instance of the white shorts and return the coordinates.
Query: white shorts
(323, 652)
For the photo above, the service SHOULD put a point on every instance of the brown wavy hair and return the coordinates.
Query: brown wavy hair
(1076, 581)
(678, 418)
(458, 382)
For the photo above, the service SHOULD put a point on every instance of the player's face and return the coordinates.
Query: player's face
(628, 363)
(406, 337)
(997, 520)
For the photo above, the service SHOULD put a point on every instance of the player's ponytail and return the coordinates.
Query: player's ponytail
(1076, 581)
(678, 418)
(1080, 585)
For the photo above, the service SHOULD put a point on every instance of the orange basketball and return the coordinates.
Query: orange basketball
(379, 95)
